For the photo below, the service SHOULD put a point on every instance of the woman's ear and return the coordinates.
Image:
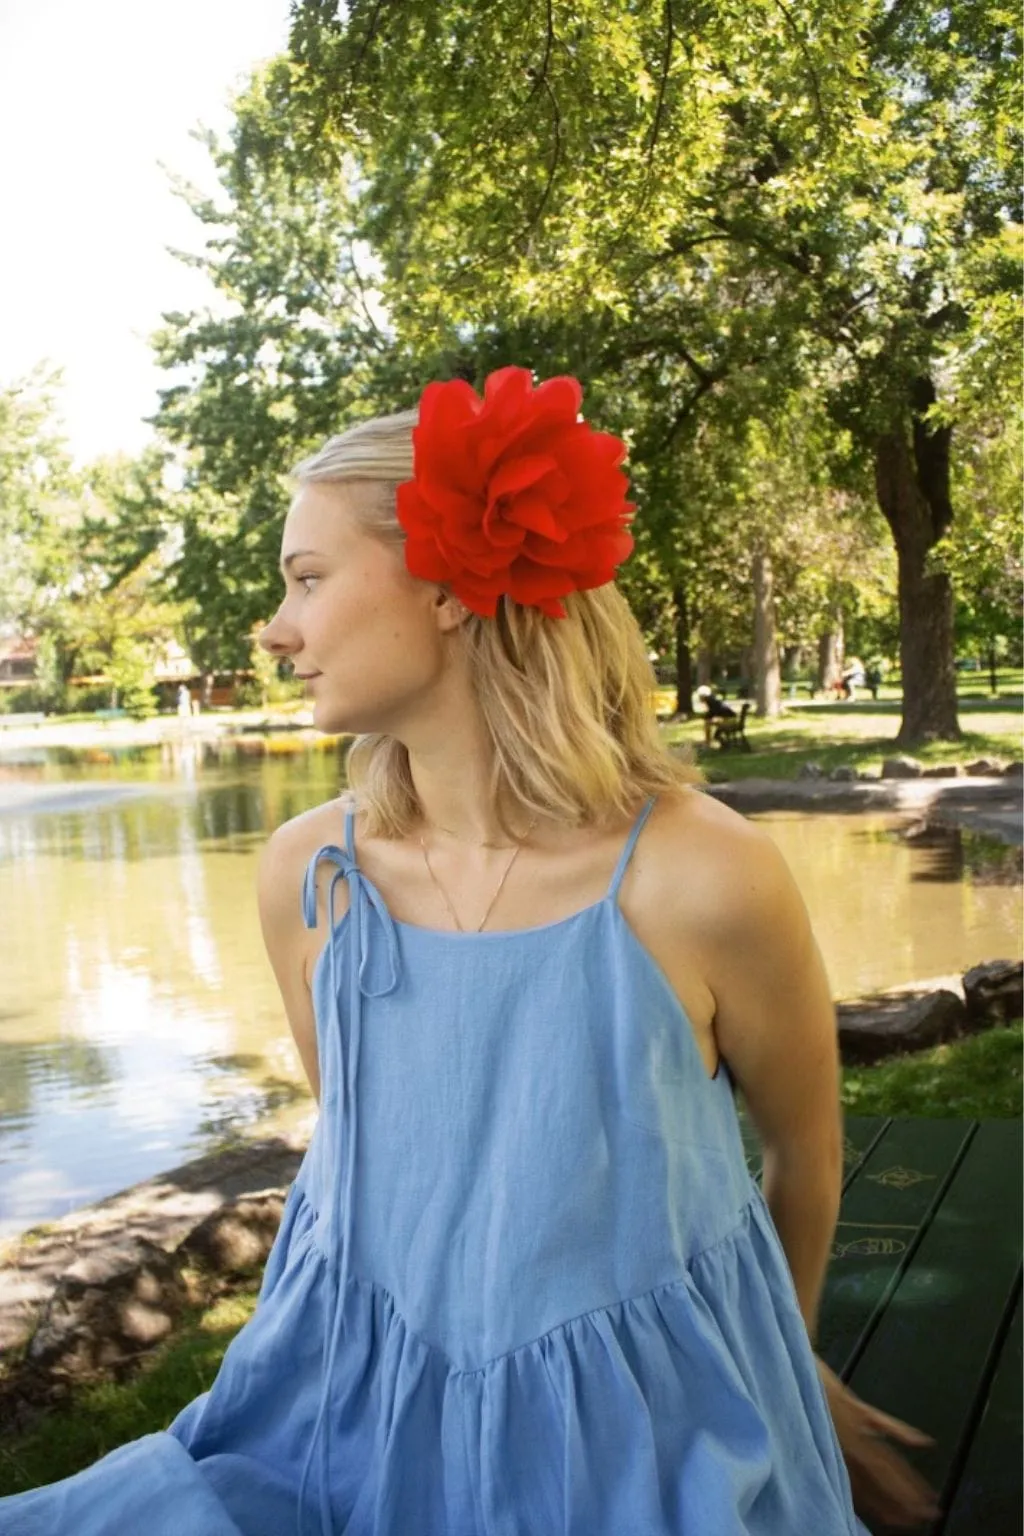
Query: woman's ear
(449, 612)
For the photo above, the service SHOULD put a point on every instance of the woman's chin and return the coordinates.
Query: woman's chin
(331, 722)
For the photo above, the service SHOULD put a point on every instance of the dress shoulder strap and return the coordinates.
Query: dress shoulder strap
(627, 852)
(350, 830)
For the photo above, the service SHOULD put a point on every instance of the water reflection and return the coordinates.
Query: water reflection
(958, 853)
(139, 1018)
(885, 910)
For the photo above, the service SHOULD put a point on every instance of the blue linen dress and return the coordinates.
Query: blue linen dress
(523, 1286)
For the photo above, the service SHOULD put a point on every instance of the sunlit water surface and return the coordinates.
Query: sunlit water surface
(139, 1019)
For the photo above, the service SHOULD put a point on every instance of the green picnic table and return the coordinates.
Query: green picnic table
(921, 1311)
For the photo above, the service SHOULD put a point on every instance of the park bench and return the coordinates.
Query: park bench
(728, 729)
(921, 1310)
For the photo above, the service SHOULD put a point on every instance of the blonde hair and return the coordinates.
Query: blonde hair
(566, 702)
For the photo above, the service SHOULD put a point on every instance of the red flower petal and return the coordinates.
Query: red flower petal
(514, 494)
(518, 473)
(533, 512)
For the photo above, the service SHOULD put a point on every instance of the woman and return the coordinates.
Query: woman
(523, 1283)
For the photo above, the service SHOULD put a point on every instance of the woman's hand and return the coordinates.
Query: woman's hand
(885, 1486)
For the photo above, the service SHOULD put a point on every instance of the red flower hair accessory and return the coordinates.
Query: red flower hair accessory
(513, 494)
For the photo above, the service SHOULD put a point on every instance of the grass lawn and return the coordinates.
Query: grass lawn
(100, 1418)
(857, 735)
(978, 1077)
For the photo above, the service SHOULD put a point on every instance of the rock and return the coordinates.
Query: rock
(983, 767)
(1013, 771)
(843, 775)
(867, 778)
(108, 1308)
(236, 1239)
(994, 993)
(943, 771)
(811, 771)
(901, 768)
(873, 1027)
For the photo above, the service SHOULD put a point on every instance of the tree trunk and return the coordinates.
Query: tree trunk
(830, 657)
(993, 678)
(767, 678)
(912, 483)
(705, 666)
(684, 660)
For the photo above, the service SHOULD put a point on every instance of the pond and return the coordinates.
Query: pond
(139, 1018)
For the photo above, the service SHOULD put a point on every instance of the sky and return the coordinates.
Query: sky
(94, 95)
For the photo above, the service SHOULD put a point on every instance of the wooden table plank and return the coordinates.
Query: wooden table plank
(930, 1355)
(990, 1494)
(887, 1205)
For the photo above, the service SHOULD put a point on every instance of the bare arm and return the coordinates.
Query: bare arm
(279, 893)
(738, 923)
(775, 1025)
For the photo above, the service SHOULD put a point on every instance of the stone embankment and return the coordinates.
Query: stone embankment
(984, 797)
(85, 1297)
(915, 1017)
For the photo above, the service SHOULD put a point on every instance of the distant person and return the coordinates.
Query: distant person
(524, 1281)
(852, 678)
(184, 702)
(714, 708)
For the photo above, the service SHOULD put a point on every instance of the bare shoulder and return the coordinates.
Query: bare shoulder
(706, 866)
(288, 851)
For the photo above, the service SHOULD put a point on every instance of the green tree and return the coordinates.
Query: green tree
(35, 481)
(826, 197)
(288, 351)
(982, 553)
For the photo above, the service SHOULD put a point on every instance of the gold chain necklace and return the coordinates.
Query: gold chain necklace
(490, 905)
(470, 842)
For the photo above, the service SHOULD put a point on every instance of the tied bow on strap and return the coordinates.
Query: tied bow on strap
(341, 1068)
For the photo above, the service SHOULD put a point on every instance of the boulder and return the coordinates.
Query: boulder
(1013, 771)
(236, 1239)
(984, 768)
(994, 993)
(117, 1301)
(108, 1308)
(811, 771)
(873, 1027)
(901, 768)
(843, 775)
(943, 771)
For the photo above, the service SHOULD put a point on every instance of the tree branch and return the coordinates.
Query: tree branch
(541, 79)
(662, 84)
(689, 406)
(819, 110)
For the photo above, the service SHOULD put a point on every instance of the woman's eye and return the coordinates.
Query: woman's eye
(303, 580)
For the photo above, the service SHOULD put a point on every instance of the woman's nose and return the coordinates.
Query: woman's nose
(274, 638)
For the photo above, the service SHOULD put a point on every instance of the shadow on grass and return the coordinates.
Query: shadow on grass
(783, 753)
(97, 1419)
(779, 751)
